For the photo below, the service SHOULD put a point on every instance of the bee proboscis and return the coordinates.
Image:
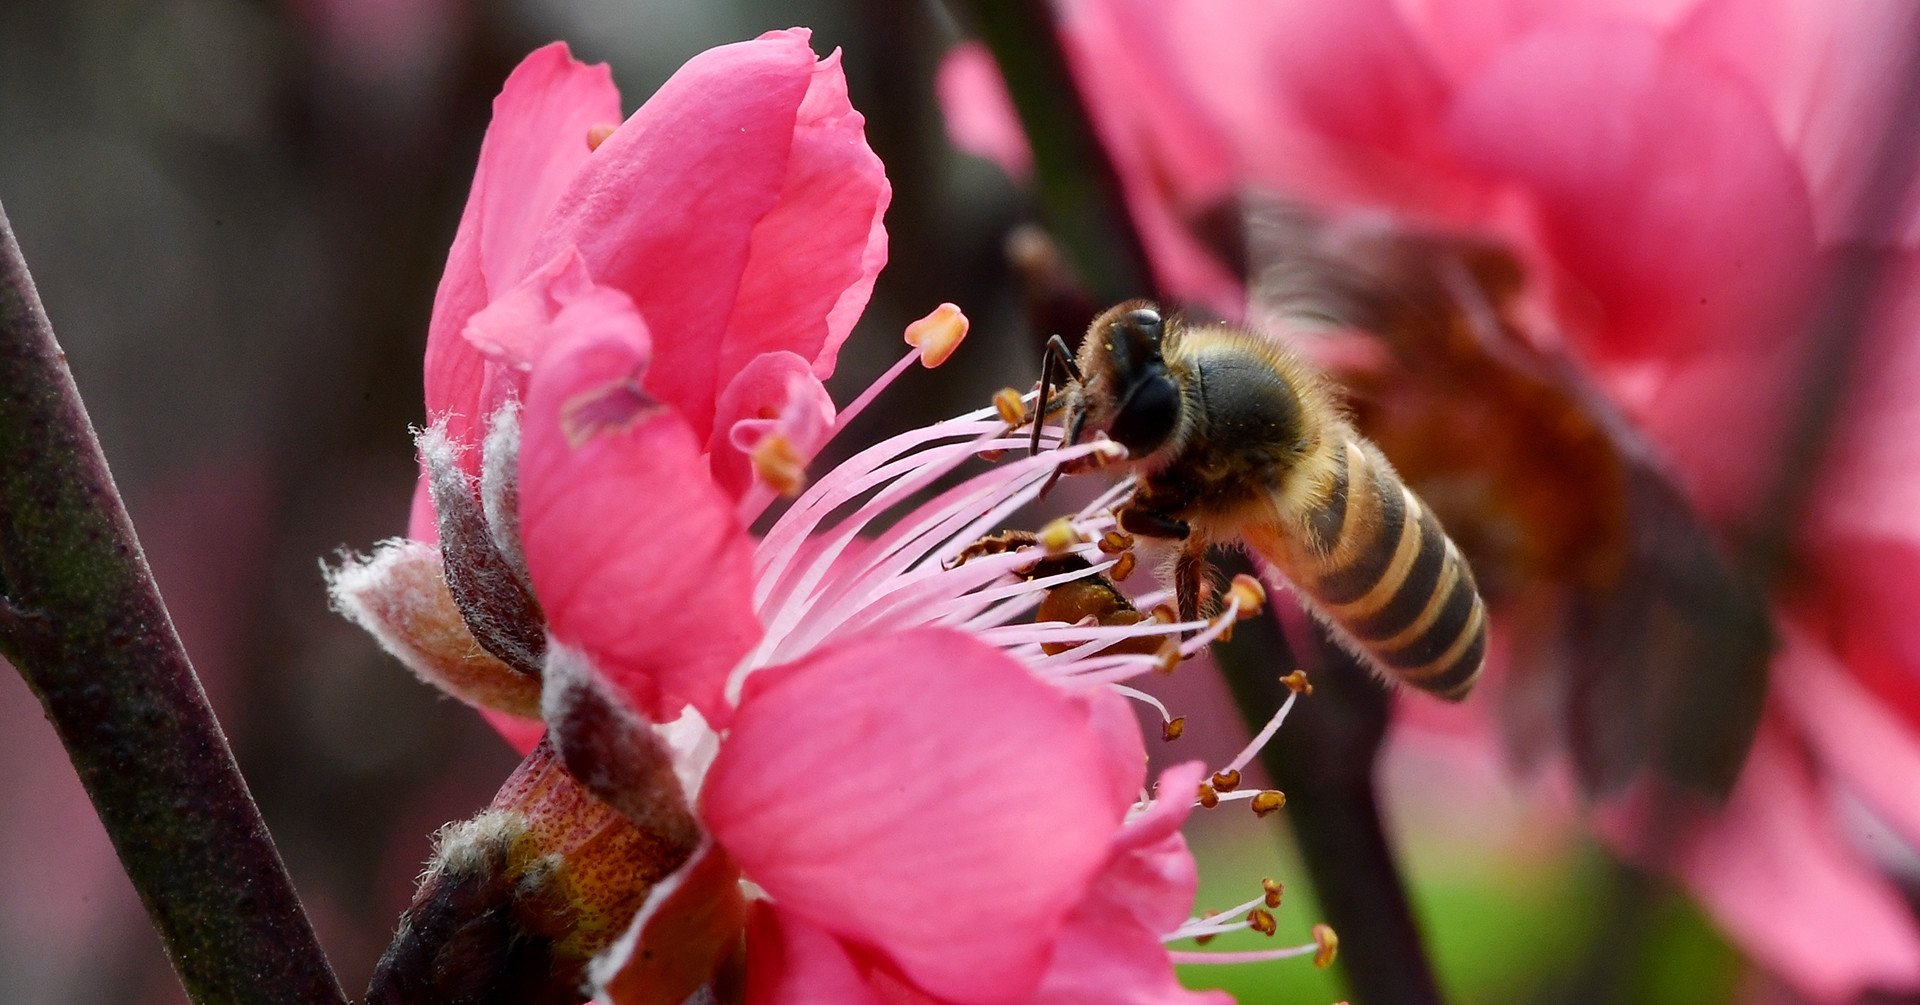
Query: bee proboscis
(1235, 438)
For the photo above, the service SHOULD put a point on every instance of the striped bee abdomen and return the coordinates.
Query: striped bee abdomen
(1378, 566)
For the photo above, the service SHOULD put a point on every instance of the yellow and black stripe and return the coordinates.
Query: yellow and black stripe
(1377, 564)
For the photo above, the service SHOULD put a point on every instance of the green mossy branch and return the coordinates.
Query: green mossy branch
(83, 622)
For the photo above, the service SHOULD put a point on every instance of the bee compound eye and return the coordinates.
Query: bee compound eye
(1147, 322)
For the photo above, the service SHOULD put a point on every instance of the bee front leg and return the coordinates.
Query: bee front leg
(1189, 572)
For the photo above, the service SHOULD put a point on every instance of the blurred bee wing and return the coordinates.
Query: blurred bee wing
(1662, 665)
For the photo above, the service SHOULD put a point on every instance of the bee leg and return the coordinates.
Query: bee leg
(1189, 571)
(1055, 361)
(1076, 421)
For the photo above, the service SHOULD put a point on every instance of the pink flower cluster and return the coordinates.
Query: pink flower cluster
(1671, 175)
(921, 802)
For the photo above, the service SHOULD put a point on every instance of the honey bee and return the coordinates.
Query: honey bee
(1234, 438)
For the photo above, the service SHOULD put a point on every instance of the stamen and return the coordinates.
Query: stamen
(1011, 406)
(1268, 801)
(1261, 920)
(1172, 729)
(598, 133)
(938, 334)
(1060, 535)
(1327, 944)
(1252, 956)
(780, 464)
(1226, 781)
(1123, 568)
(1114, 542)
(1214, 922)
(1274, 889)
(1248, 594)
(1260, 739)
(1297, 682)
(1208, 798)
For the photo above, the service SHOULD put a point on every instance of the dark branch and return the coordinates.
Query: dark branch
(88, 631)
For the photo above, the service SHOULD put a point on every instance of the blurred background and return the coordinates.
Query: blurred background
(237, 212)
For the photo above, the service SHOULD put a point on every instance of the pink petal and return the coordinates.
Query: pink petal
(1151, 877)
(792, 962)
(1828, 73)
(745, 138)
(634, 552)
(1110, 950)
(1869, 587)
(535, 144)
(1109, 960)
(1772, 870)
(814, 257)
(979, 112)
(920, 795)
(521, 734)
(1659, 186)
(1871, 482)
(508, 331)
(774, 392)
(1873, 752)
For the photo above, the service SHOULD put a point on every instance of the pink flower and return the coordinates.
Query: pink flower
(1668, 178)
(623, 376)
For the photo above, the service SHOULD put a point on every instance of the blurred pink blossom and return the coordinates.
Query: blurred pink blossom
(1671, 176)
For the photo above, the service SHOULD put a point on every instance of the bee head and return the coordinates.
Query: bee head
(1146, 400)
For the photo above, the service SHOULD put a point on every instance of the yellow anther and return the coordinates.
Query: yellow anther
(597, 134)
(1059, 535)
(1274, 889)
(1172, 728)
(1165, 614)
(1248, 592)
(1114, 542)
(780, 464)
(1012, 409)
(1226, 781)
(1201, 940)
(1267, 802)
(1328, 944)
(1261, 920)
(938, 334)
(1124, 566)
(1169, 656)
(1208, 798)
(1297, 682)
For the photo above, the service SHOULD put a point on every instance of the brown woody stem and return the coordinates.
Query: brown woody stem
(86, 628)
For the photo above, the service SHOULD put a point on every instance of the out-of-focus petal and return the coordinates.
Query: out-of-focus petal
(634, 551)
(1869, 587)
(534, 146)
(1772, 870)
(1658, 185)
(979, 112)
(775, 392)
(814, 257)
(1861, 740)
(673, 205)
(938, 805)
(1829, 73)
